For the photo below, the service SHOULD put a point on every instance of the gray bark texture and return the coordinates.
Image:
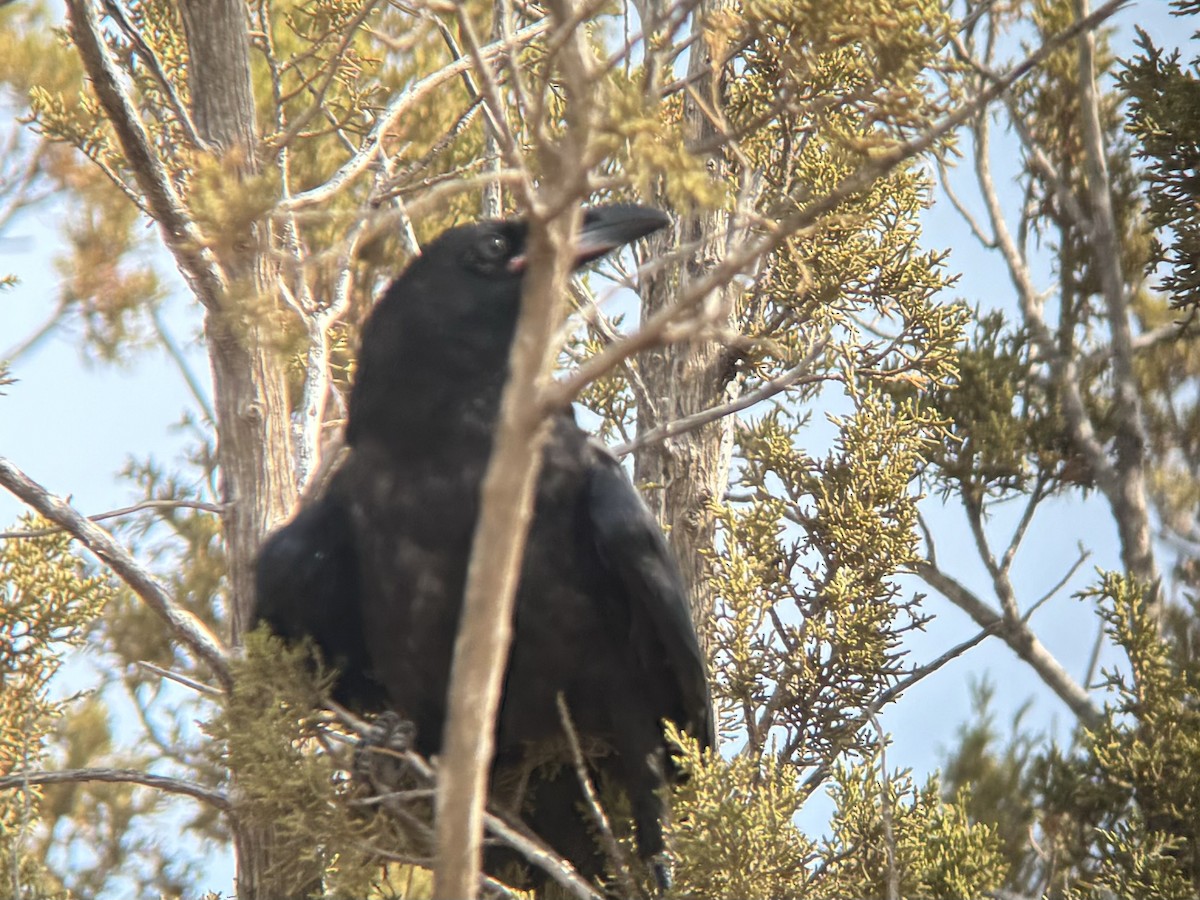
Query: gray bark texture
(683, 476)
(251, 402)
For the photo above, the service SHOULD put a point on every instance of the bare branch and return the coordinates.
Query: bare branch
(1128, 497)
(506, 496)
(400, 105)
(543, 857)
(982, 236)
(788, 379)
(613, 850)
(506, 508)
(186, 628)
(317, 382)
(1019, 637)
(1058, 586)
(1001, 583)
(181, 236)
(119, 776)
(179, 678)
(115, 514)
(1035, 498)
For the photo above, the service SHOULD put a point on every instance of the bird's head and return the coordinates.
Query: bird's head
(450, 316)
(491, 255)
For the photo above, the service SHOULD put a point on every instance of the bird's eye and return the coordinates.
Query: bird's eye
(493, 248)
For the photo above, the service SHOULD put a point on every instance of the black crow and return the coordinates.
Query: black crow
(374, 570)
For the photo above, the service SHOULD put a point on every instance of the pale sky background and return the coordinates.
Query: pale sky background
(72, 426)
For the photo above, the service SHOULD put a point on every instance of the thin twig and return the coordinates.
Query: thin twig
(15, 352)
(791, 378)
(612, 849)
(1037, 604)
(119, 776)
(116, 513)
(1019, 638)
(1035, 497)
(986, 240)
(180, 678)
(181, 363)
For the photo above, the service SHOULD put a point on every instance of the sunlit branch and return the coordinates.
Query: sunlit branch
(179, 233)
(801, 373)
(398, 107)
(116, 514)
(186, 627)
(163, 783)
(1019, 638)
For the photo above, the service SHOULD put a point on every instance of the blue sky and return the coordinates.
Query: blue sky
(73, 425)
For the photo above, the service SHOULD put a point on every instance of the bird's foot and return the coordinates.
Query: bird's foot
(378, 759)
(664, 872)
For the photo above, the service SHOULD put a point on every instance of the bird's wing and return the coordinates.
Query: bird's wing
(308, 585)
(633, 548)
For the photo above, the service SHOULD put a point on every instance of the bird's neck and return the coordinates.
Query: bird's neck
(422, 383)
(418, 415)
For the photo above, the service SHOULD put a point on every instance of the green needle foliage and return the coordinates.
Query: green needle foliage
(48, 603)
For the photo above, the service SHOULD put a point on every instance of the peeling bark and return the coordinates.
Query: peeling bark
(254, 451)
(683, 476)
(255, 447)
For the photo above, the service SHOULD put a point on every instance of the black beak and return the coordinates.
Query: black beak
(606, 228)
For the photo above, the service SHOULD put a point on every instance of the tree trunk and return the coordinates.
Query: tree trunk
(683, 476)
(254, 449)
(1128, 496)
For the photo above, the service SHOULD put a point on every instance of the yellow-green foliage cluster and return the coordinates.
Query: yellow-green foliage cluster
(287, 783)
(1005, 426)
(1164, 116)
(810, 618)
(1148, 745)
(1172, 417)
(886, 829)
(819, 61)
(733, 827)
(646, 140)
(101, 279)
(47, 604)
